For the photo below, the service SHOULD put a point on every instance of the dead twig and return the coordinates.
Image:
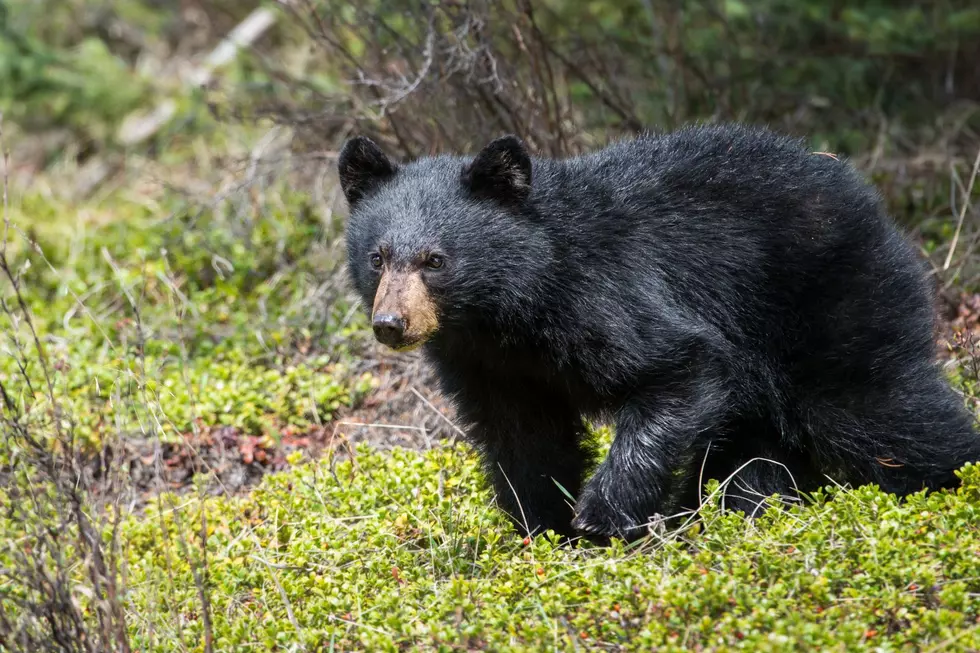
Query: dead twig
(963, 209)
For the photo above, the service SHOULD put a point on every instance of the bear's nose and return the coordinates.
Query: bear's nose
(389, 329)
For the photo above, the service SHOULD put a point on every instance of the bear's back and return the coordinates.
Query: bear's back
(784, 252)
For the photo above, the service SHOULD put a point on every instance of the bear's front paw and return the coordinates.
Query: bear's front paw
(600, 519)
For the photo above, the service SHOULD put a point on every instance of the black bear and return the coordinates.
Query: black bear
(721, 293)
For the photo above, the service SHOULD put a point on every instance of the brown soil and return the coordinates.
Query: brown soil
(405, 410)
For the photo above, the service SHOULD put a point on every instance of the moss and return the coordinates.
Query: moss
(386, 552)
(150, 325)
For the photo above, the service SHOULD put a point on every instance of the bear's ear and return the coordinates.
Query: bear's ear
(362, 166)
(502, 171)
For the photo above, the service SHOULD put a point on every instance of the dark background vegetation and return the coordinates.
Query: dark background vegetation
(892, 85)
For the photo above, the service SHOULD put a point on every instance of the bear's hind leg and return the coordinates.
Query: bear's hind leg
(913, 433)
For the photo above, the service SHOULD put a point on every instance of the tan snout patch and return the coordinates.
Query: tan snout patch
(403, 293)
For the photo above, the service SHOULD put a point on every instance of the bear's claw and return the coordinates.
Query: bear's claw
(596, 517)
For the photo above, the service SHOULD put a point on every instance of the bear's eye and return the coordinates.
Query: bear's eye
(434, 262)
(376, 261)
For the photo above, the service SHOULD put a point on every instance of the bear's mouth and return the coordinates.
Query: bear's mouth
(408, 345)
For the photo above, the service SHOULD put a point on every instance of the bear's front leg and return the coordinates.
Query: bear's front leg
(529, 448)
(653, 432)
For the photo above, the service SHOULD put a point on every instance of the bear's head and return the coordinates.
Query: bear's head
(440, 242)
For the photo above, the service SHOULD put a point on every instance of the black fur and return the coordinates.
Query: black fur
(718, 289)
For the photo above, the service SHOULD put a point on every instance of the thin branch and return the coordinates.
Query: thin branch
(963, 209)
